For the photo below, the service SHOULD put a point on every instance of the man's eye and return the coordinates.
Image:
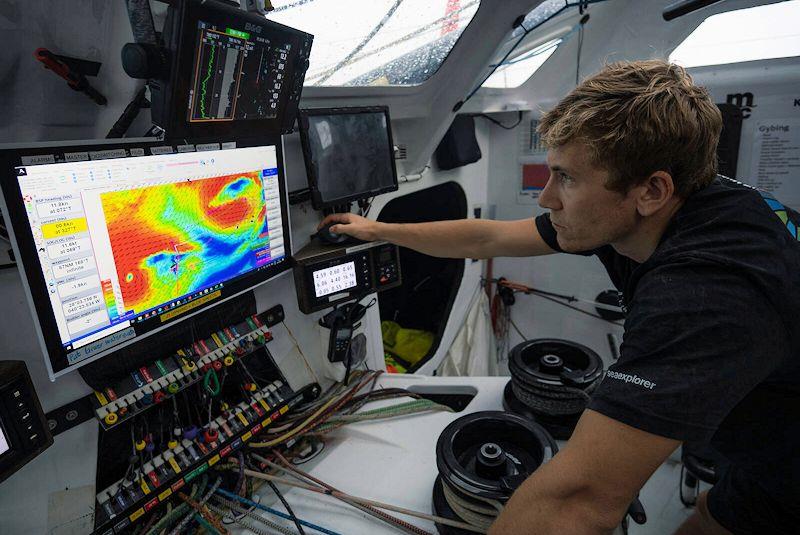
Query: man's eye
(564, 177)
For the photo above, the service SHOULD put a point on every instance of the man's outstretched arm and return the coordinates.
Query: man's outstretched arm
(587, 487)
(460, 238)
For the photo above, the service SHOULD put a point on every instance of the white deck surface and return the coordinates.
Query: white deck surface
(394, 461)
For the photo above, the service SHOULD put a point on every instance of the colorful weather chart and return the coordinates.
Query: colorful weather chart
(174, 239)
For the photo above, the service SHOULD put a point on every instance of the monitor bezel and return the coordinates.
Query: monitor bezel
(183, 39)
(30, 270)
(316, 197)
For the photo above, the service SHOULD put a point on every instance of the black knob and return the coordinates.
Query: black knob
(145, 61)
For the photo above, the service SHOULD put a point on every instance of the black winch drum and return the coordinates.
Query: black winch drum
(486, 455)
(550, 381)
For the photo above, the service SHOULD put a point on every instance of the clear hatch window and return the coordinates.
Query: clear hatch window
(376, 42)
(762, 32)
(514, 72)
(523, 61)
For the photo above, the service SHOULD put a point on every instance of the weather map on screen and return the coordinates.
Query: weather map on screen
(134, 241)
(174, 239)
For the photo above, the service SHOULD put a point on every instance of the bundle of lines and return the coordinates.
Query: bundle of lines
(338, 406)
(210, 506)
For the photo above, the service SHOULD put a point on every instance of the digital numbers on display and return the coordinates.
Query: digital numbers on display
(334, 279)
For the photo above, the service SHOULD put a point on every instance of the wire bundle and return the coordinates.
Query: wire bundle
(307, 482)
(211, 506)
(338, 406)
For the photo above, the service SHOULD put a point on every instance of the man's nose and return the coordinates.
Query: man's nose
(548, 197)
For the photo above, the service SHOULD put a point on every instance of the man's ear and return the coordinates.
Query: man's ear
(655, 192)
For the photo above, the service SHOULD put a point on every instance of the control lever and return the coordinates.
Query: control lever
(75, 80)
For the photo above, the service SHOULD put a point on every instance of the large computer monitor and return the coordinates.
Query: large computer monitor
(115, 242)
(349, 154)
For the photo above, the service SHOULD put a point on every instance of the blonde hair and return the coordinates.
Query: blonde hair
(639, 117)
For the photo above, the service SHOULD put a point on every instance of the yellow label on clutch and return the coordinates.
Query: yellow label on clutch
(101, 398)
(174, 464)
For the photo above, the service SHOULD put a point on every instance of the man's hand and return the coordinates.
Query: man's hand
(352, 225)
(587, 487)
(459, 238)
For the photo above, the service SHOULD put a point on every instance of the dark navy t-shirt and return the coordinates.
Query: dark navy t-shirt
(711, 350)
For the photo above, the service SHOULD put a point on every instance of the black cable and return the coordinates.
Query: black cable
(348, 367)
(120, 128)
(349, 356)
(9, 265)
(369, 205)
(511, 321)
(554, 297)
(501, 125)
(568, 298)
(534, 292)
(286, 505)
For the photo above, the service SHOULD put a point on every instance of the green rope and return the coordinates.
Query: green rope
(401, 409)
(203, 522)
(409, 407)
(175, 513)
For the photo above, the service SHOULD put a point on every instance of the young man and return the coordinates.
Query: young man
(710, 273)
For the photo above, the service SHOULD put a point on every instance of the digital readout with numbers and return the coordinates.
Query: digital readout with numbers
(334, 279)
